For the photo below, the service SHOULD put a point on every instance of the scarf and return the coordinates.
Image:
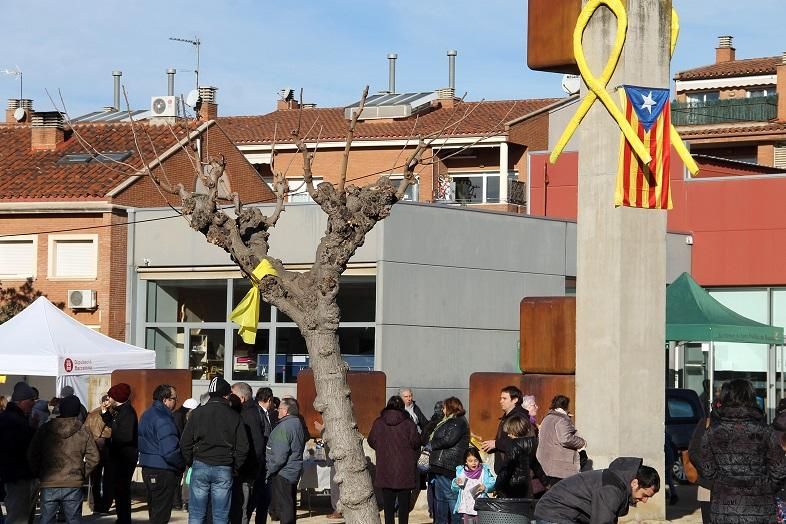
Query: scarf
(473, 473)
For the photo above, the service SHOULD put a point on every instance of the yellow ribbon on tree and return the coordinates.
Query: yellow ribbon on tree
(246, 314)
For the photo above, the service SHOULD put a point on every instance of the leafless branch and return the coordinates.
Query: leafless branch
(342, 172)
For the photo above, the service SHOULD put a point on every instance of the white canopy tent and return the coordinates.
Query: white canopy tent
(44, 341)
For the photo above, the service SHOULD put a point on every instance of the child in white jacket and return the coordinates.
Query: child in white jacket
(473, 480)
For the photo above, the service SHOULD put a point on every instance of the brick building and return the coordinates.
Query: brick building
(67, 193)
(478, 155)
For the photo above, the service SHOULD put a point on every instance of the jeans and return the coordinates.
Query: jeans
(53, 498)
(161, 486)
(444, 501)
(213, 483)
(19, 496)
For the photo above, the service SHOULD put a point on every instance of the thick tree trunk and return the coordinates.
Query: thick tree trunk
(341, 434)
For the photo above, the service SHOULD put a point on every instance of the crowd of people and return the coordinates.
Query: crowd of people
(240, 456)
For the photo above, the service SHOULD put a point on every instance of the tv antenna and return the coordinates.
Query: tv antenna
(15, 72)
(196, 43)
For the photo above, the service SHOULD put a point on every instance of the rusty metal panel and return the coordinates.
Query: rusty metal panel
(484, 410)
(484, 388)
(368, 397)
(548, 335)
(144, 381)
(550, 26)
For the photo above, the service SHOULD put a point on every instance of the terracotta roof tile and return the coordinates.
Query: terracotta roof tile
(696, 132)
(36, 175)
(330, 124)
(745, 67)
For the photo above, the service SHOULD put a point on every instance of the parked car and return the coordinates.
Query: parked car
(683, 412)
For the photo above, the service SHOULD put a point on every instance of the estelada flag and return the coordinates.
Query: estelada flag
(640, 185)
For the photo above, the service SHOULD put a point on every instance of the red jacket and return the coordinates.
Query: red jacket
(395, 438)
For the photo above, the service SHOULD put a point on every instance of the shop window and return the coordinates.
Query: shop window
(251, 362)
(356, 300)
(18, 257)
(206, 353)
(187, 301)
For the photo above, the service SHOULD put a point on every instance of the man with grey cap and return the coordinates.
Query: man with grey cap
(15, 436)
(215, 445)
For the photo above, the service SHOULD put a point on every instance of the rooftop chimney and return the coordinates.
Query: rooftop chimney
(47, 130)
(15, 103)
(208, 109)
(780, 87)
(446, 97)
(724, 52)
(170, 81)
(116, 75)
(452, 69)
(392, 72)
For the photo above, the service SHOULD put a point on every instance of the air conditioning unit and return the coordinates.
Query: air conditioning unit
(81, 298)
(164, 106)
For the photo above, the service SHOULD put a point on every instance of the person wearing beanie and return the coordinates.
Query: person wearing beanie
(68, 391)
(62, 455)
(123, 452)
(215, 445)
(15, 436)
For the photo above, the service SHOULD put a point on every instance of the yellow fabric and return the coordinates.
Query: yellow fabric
(676, 140)
(246, 314)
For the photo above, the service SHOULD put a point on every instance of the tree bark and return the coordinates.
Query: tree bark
(358, 501)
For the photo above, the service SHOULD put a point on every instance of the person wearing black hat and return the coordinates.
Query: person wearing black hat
(215, 445)
(15, 436)
(123, 452)
(62, 455)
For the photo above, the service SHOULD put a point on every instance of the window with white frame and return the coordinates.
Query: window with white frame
(701, 97)
(18, 257)
(73, 256)
(759, 92)
(413, 190)
(478, 188)
(298, 191)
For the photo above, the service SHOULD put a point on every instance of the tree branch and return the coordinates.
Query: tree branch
(342, 173)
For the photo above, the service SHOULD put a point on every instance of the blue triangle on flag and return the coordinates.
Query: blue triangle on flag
(647, 102)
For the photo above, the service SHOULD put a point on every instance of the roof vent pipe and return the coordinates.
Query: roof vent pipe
(170, 81)
(452, 69)
(392, 72)
(117, 75)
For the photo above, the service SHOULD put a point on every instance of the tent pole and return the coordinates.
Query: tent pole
(711, 372)
(780, 350)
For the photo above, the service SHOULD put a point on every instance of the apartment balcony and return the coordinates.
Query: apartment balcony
(755, 109)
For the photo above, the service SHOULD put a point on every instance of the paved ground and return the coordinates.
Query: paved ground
(684, 512)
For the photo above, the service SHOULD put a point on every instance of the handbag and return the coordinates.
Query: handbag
(691, 473)
(423, 460)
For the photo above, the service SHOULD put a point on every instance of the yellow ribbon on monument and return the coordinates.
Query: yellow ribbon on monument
(597, 86)
(676, 140)
(246, 314)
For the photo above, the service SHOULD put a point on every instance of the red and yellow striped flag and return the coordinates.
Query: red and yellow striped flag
(638, 185)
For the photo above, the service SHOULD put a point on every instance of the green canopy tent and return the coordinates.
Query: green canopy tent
(692, 315)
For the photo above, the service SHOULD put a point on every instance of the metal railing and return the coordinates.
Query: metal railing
(755, 109)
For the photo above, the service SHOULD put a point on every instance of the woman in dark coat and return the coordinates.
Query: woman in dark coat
(740, 453)
(396, 440)
(448, 443)
(514, 479)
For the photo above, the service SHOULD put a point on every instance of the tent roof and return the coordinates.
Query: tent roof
(44, 341)
(693, 315)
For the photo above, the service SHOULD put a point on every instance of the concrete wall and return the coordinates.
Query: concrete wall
(448, 295)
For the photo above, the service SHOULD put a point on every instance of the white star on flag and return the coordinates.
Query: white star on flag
(648, 102)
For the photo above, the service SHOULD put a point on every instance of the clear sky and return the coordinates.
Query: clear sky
(330, 48)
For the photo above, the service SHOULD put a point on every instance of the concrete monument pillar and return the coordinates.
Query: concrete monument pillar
(621, 271)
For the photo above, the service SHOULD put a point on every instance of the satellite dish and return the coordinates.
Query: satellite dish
(571, 84)
(19, 114)
(192, 98)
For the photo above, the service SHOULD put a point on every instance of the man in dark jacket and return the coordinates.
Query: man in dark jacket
(62, 455)
(159, 454)
(123, 451)
(243, 499)
(601, 496)
(284, 458)
(15, 436)
(412, 408)
(215, 445)
(268, 415)
(510, 402)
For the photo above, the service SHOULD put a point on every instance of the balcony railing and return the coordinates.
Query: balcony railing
(755, 109)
